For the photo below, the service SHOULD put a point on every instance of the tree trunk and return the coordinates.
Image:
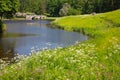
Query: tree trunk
(1, 16)
(1, 23)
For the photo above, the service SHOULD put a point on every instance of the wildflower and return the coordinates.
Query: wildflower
(49, 44)
(106, 57)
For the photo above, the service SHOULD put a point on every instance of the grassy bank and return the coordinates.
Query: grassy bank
(95, 59)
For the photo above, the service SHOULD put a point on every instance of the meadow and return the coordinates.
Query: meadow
(95, 59)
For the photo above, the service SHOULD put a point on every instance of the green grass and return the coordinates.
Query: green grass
(95, 59)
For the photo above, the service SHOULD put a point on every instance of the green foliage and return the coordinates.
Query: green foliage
(8, 7)
(42, 8)
(97, 58)
(55, 7)
(73, 11)
(64, 10)
(2, 26)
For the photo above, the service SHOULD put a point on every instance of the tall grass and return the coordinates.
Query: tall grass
(95, 59)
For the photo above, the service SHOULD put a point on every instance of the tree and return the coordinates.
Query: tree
(88, 6)
(5, 6)
(1, 24)
(55, 7)
(8, 7)
(64, 10)
(73, 11)
(41, 8)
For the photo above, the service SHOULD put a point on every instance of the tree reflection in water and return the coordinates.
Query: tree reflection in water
(6, 49)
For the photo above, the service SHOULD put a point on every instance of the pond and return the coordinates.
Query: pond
(24, 36)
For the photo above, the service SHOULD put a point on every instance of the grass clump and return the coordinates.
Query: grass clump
(97, 58)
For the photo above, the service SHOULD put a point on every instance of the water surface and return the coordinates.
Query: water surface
(22, 36)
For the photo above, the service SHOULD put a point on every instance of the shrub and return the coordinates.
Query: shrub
(2, 26)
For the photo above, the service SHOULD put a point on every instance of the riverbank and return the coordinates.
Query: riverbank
(97, 58)
(47, 18)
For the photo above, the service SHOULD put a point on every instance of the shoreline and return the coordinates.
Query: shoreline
(48, 18)
(97, 58)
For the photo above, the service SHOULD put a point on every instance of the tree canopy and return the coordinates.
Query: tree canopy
(57, 7)
(9, 7)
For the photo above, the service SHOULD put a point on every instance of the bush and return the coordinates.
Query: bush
(2, 26)
(73, 11)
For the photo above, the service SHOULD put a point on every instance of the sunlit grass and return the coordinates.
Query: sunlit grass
(95, 59)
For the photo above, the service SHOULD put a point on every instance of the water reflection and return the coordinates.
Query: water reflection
(21, 36)
(6, 48)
